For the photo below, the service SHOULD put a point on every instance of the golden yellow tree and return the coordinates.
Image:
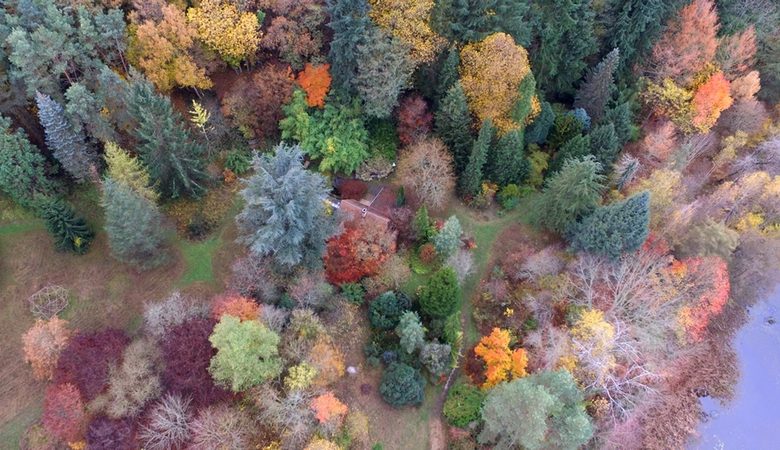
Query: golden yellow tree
(409, 22)
(502, 363)
(593, 339)
(226, 30)
(491, 72)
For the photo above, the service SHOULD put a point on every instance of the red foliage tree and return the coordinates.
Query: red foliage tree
(414, 119)
(187, 353)
(86, 360)
(358, 252)
(295, 33)
(63, 412)
(315, 80)
(354, 189)
(108, 434)
(712, 98)
(255, 104)
(234, 305)
(707, 281)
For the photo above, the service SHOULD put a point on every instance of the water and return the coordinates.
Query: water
(752, 420)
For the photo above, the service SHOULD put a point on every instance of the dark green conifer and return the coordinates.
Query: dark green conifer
(70, 232)
(614, 229)
(471, 179)
(453, 125)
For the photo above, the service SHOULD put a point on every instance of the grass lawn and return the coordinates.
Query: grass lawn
(198, 260)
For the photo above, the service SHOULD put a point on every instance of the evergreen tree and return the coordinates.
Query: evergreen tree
(410, 331)
(636, 28)
(173, 158)
(508, 163)
(566, 38)
(472, 20)
(384, 71)
(453, 125)
(70, 232)
(83, 109)
(67, 146)
(402, 385)
(134, 226)
(620, 116)
(129, 171)
(604, 145)
(573, 192)
(599, 86)
(422, 225)
(537, 132)
(576, 147)
(22, 167)
(440, 297)
(614, 229)
(447, 240)
(284, 214)
(471, 179)
(349, 22)
(448, 75)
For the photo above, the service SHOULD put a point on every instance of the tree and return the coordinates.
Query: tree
(708, 278)
(636, 27)
(236, 306)
(163, 49)
(358, 252)
(295, 31)
(614, 229)
(247, 353)
(414, 119)
(168, 425)
(386, 310)
(710, 238)
(134, 226)
(491, 72)
(42, 345)
(575, 148)
(384, 72)
(220, 426)
(410, 331)
(472, 177)
(160, 317)
(409, 22)
(571, 193)
(447, 240)
(335, 134)
(328, 409)
(604, 145)
(67, 146)
(300, 377)
(544, 410)
(463, 405)
(501, 362)
(128, 171)
(710, 99)
(688, 43)
(169, 152)
(284, 215)
(108, 434)
(223, 28)
(255, 105)
(453, 126)
(425, 170)
(599, 86)
(349, 22)
(508, 163)
(86, 360)
(621, 117)
(63, 412)
(566, 38)
(22, 167)
(402, 385)
(315, 81)
(437, 358)
(83, 108)
(70, 232)
(736, 53)
(440, 296)
(473, 20)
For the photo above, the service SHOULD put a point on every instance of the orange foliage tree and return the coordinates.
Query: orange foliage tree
(502, 362)
(491, 72)
(42, 345)
(710, 99)
(63, 412)
(358, 252)
(706, 279)
(329, 409)
(236, 306)
(315, 81)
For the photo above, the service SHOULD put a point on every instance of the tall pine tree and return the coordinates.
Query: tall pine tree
(614, 229)
(22, 167)
(448, 74)
(473, 20)
(508, 163)
(599, 86)
(70, 232)
(636, 28)
(350, 23)
(171, 154)
(570, 194)
(604, 145)
(453, 125)
(67, 146)
(384, 71)
(471, 179)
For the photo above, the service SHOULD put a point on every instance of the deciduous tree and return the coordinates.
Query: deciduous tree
(86, 360)
(236, 306)
(295, 31)
(501, 362)
(63, 412)
(414, 119)
(42, 345)
(409, 22)
(425, 170)
(358, 252)
(710, 99)
(315, 81)
(328, 409)
(222, 27)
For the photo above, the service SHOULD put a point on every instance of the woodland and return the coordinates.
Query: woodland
(381, 224)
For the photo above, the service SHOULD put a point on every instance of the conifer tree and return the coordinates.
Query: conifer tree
(67, 146)
(447, 240)
(598, 87)
(448, 75)
(636, 28)
(133, 224)
(472, 20)
(573, 192)
(129, 171)
(471, 179)
(70, 232)
(537, 132)
(173, 158)
(614, 229)
(453, 125)
(22, 167)
(576, 147)
(350, 23)
(604, 145)
(620, 116)
(508, 163)
(384, 71)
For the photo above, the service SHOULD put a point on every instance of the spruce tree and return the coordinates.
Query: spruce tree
(599, 86)
(384, 71)
(129, 171)
(471, 179)
(576, 147)
(620, 116)
(453, 125)
(467, 21)
(70, 232)
(637, 26)
(134, 226)
(614, 229)
(171, 155)
(508, 163)
(67, 146)
(537, 131)
(573, 192)
(350, 23)
(448, 74)
(604, 145)
(22, 167)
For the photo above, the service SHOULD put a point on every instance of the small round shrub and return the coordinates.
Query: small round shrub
(385, 311)
(427, 253)
(238, 162)
(402, 385)
(509, 196)
(463, 405)
(353, 292)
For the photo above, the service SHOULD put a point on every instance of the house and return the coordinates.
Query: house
(375, 206)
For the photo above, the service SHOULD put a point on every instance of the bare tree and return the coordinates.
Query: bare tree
(168, 424)
(425, 170)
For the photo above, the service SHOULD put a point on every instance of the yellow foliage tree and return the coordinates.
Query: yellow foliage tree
(502, 363)
(593, 338)
(322, 444)
(129, 171)
(491, 72)
(664, 186)
(409, 22)
(226, 30)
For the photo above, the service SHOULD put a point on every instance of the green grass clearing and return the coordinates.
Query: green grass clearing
(198, 261)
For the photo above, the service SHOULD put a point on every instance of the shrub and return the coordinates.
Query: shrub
(385, 311)
(440, 297)
(253, 277)
(300, 377)
(86, 360)
(220, 427)
(236, 306)
(108, 434)
(402, 385)
(328, 360)
(42, 345)
(436, 358)
(310, 290)
(70, 232)
(238, 162)
(374, 168)
(463, 405)
(447, 240)
(353, 292)
(427, 253)
(168, 424)
(160, 317)
(383, 138)
(509, 196)
(329, 409)
(63, 412)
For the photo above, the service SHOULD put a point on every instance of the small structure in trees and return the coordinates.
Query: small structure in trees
(48, 302)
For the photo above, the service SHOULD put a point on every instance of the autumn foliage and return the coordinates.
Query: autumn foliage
(329, 409)
(414, 119)
(710, 99)
(255, 104)
(86, 360)
(358, 252)
(236, 306)
(409, 22)
(63, 412)
(502, 363)
(42, 345)
(708, 279)
(315, 81)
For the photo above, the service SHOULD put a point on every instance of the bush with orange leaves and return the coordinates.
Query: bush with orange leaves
(328, 361)
(358, 252)
(315, 81)
(707, 281)
(328, 409)
(42, 345)
(502, 362)
(710, 99)
(236, 306)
